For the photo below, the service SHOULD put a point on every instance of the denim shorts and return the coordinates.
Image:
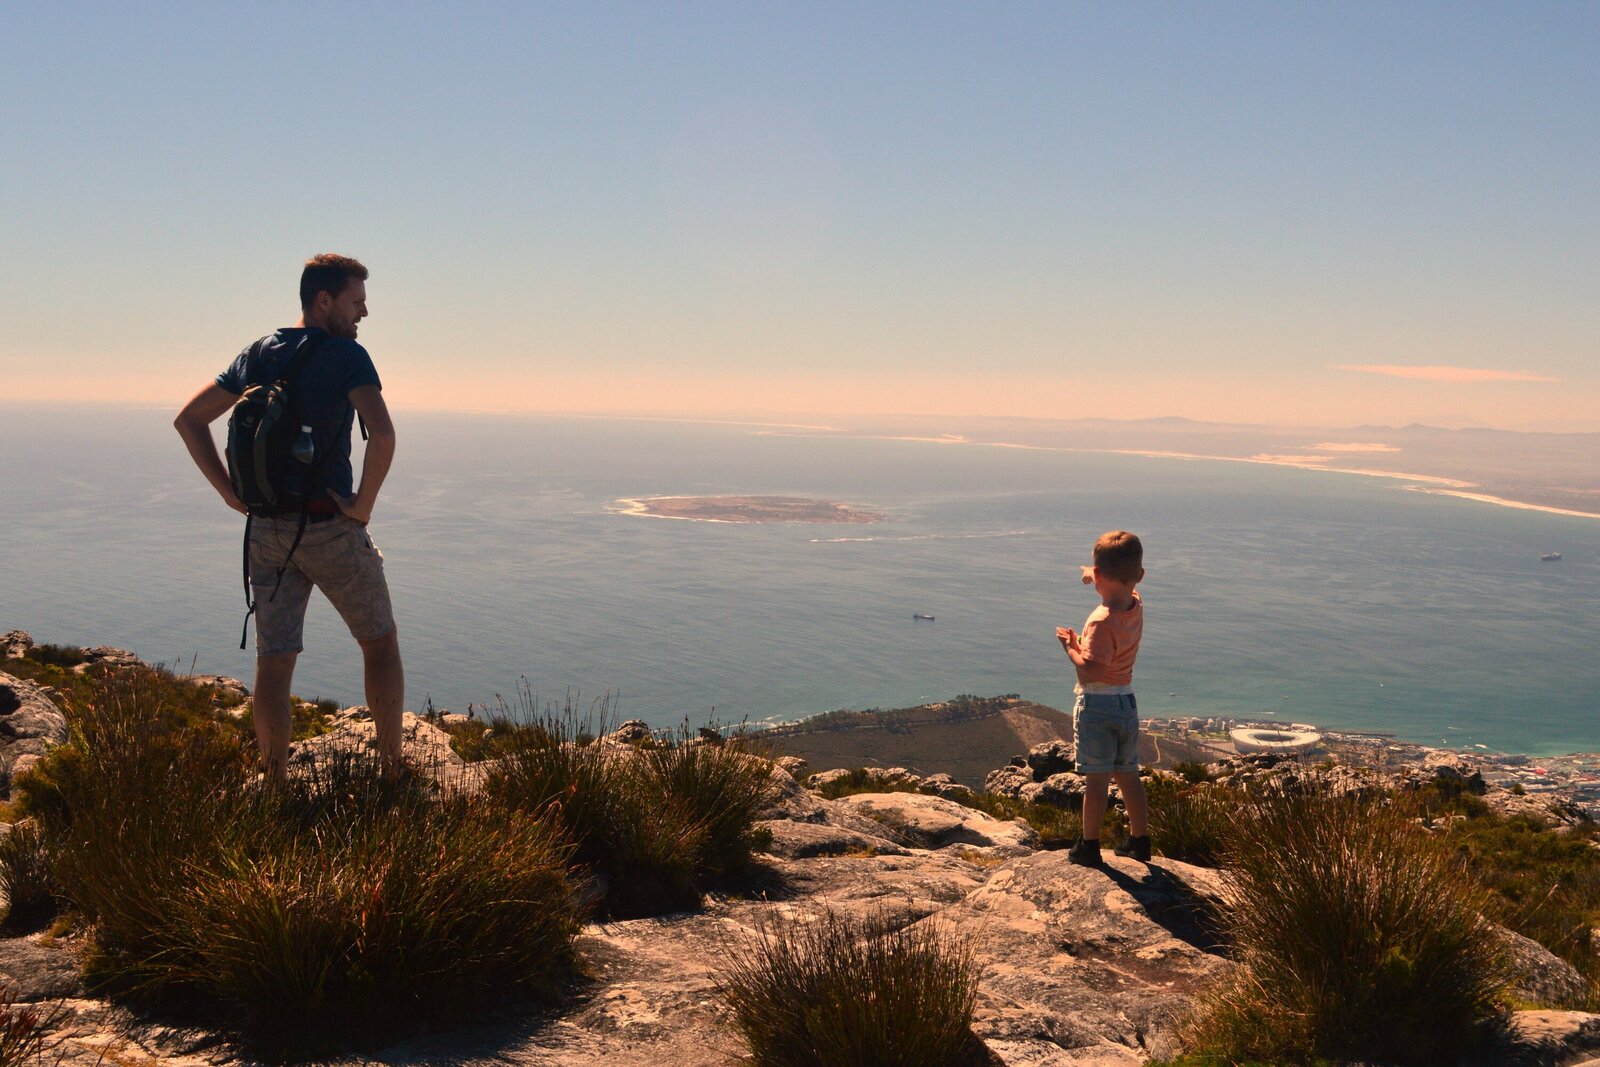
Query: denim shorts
(1106, 726)
(336, 556)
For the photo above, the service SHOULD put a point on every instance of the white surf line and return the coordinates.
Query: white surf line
(1425, 483)
(1520, 505)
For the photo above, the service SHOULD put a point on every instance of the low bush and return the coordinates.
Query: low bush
(1543, 882)
(27, 882)
(862, 780)
(830, 992)
(369, 918)
(724, 786)
(1057, 827)
(641, 847)
(657, 824)
(1359, 937)
(56, 655)
(342, 908)
(1191, 823)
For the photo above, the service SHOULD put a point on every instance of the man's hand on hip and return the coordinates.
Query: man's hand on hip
(353, 507)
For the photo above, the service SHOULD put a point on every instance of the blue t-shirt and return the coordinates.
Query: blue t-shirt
(321, 393)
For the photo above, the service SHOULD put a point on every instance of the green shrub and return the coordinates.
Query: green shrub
(344, 907)
(656, 824)
(1192, 772)
(861, 780)
(642, 848)
(1359, 937)
(724, 787)
(1543, 883)
(26, 880)
(133, 803)
(56, 655)
(1191, 824)
(1057, 827)
(372, 918)
(832, 992)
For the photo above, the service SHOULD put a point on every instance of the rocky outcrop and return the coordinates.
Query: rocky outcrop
(1080, 965)
(15, 643)
(424, 745)
(1086, 965)
(30, 723)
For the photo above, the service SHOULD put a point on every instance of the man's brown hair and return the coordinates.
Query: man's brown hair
(1120, 555)
(328, 273)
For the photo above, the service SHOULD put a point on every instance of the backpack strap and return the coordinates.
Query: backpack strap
(249, 603)
(297, 362)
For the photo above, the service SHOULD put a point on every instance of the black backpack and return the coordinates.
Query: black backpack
(262, 430)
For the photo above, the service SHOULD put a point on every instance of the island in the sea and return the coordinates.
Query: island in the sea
(747, 509)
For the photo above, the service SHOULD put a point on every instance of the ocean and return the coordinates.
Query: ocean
(1335, 599)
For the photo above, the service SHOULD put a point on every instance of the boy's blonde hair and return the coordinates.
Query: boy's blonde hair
(1120, 555)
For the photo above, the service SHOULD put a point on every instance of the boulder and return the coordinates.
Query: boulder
(106, 656)
(30, 723)
(941, 785)
(230, 692)
(934, 823)
(793, 765)
(14, 644)
(1050, 757)
(424, 745)
(631, 732)
(1008, 780)
(1539, 975)
(1061, 790)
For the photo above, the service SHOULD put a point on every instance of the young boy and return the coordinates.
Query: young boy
(1105, 717)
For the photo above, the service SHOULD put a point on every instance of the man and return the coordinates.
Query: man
(337, 381)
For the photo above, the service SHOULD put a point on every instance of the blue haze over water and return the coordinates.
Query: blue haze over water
(1340, 600)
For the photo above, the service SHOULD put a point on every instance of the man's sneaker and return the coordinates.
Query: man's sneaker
(1084, 853)
(1137, 848)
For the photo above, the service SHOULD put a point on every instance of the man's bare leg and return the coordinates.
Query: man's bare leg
(270, 711)
(385, 678)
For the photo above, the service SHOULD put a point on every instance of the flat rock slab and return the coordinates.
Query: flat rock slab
(1085, 965)
(806, 840)
(39, 969)
(1547, 1039)
(934, 823)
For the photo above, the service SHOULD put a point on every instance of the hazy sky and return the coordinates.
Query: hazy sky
(1330, 213)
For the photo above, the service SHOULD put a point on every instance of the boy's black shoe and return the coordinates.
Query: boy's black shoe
(1085, 853)
(1137, 848)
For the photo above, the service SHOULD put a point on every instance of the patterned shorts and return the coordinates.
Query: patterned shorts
(338, 557)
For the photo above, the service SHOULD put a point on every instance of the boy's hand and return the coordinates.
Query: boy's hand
(1088, 575)
(1068, 639)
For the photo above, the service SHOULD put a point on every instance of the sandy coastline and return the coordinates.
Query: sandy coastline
(1426, 483)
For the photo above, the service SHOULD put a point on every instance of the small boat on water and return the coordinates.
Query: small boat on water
(921, 616)
(1550, 557)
